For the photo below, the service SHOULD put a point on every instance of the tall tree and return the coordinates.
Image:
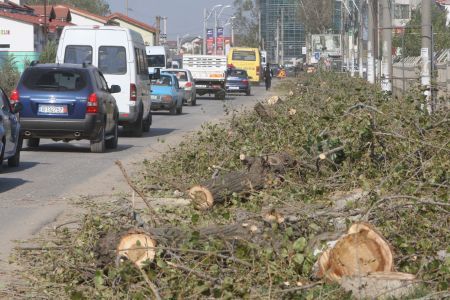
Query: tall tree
(316, 15)
(246, 23)
(99, 7)
(411, 37)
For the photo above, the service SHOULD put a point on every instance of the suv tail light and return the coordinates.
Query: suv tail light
(92, 104)
(245, 81)
(14, 97)
(133, 92)
(257, 70)
(188, 84)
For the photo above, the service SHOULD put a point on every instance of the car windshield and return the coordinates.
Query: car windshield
(181, 75)
(163, 81)
(54, 79)
(156, 61)
(238, 73)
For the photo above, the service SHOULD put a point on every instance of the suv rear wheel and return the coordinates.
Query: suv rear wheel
(98, 146)
(33, 142)
(112, 142)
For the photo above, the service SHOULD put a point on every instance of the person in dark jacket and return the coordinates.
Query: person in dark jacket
(268, 76)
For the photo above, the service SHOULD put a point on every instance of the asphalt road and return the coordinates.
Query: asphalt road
(34, 194)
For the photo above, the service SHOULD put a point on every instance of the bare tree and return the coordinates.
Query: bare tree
(316, 15)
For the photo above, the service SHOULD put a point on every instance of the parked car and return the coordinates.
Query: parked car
(67, 102)
(119, 53)
(238, 82)
(186, 81)
(167, 94)
(10, 139)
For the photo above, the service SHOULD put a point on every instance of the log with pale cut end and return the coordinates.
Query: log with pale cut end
(274, 100)
(361, 251)
(219, 189)
(265, 112)
(380, 285)
(138, 247)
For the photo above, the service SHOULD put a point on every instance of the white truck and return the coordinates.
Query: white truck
(209, 73)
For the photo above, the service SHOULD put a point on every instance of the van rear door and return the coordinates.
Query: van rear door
(113, 57)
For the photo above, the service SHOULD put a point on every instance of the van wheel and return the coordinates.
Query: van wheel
(99, 145)
(33, 142)
(112, 142)
(147, 122)
(15, 160)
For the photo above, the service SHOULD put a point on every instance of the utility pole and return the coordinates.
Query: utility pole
(45, 24)
(277, 54)
(282, 36)
(259, 29)
(204, 31)
(215, 32)
(371, 41)
(158, 32)
(164, 30)
(426, 52)
(386, 48)
(232, 33)
(360, 39)
(126, 7)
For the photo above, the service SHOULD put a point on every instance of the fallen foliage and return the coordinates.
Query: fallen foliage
(360, 156)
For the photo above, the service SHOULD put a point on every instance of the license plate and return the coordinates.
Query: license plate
(52, 109)
(201, 85)
(233, 87)
(154, 97)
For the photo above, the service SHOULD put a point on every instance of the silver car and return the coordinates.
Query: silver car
(186, 82)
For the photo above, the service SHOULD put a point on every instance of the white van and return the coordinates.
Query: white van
(156, 58)
(119, 53)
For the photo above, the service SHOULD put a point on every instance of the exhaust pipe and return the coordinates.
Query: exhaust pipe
(27, 133)
(77, 134)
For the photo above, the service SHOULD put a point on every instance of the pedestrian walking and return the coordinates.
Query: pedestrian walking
(268, 76)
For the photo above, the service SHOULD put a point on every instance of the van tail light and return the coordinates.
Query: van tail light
(14, 97)
(92, 104)
(257, 70)
(133, 92)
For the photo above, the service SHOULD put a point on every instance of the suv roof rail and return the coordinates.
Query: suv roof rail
(33, 63)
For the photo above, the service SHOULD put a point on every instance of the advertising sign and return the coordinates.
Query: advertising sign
(219, 41)
(209, 41)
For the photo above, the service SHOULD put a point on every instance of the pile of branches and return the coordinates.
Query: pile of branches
(348, 153)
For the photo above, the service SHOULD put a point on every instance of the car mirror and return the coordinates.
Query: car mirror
(115, 89)
(17, 106)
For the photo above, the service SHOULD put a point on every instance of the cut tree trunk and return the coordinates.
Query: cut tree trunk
(136, 246)
(219, 189)
(264, 111)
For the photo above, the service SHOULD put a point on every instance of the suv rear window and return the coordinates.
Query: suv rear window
(238, 73)
(244, 55)
(54, 79)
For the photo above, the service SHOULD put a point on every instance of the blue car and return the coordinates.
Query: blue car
(167, 94)
(10, 139)
(67, 102)
(238, 82)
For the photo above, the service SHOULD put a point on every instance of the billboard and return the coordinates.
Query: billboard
(328, 45)
(219, 41)
(209, 41)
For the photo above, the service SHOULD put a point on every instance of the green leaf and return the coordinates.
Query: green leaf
(298, 258)
(300, 244)
(98, 279)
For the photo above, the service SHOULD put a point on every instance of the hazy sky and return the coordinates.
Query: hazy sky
(184, 16)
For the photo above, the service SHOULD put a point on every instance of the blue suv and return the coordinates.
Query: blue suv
(67, 102)
(10, 140)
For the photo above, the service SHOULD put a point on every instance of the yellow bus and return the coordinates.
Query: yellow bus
(248, 59)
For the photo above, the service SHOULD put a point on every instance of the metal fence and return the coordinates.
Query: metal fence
(406, 76)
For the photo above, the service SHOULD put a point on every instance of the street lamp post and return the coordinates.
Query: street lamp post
(217, 16)
(206, 16)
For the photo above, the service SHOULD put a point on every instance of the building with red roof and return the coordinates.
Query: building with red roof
(147, 31)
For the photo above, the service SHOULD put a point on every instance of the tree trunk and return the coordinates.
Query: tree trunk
(265, 112)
